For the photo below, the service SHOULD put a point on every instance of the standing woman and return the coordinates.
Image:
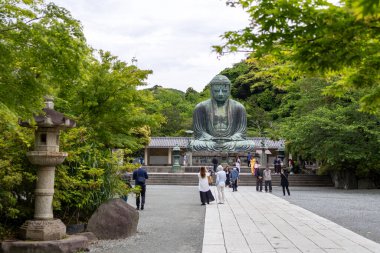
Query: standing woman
(238, 163)
(284, 182)
(203, 185)
(220, 183)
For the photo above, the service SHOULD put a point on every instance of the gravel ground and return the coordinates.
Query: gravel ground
(356, 210)
(172, 221)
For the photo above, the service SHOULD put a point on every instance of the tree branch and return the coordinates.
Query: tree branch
(15, 26)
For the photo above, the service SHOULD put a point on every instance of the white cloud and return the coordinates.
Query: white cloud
(171, 37)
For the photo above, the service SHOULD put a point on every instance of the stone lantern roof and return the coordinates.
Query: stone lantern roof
(51, 118)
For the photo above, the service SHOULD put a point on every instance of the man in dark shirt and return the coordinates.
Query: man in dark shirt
(140, 175)
(277, 165)
(215, 163)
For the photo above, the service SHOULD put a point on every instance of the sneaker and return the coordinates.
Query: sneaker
(203, 204)
(142, 207)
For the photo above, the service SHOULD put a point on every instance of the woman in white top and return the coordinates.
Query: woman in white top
(237, 163)
(203, 185)
(221, 183)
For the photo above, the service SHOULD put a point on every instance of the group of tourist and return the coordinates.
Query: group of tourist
(266, 176)
(227, 177)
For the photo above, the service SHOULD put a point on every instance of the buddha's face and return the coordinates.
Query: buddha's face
(220, 92)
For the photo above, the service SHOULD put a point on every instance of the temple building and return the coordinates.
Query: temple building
(159, 151)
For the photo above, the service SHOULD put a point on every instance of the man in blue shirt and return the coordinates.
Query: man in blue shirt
(249, 158)
(234, 178)
(140, 175)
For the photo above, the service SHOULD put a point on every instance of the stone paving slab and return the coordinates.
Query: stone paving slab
(251, 221)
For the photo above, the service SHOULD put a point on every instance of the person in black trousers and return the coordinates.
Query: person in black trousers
(140, 175)
(259, 179)
(284, 182)
(214, 163)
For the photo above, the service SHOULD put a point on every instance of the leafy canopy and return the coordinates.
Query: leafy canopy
(319, 37)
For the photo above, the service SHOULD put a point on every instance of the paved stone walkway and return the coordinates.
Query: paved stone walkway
(251, 221)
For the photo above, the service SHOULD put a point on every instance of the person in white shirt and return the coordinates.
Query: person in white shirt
(221, 183)
(203, 185)
(238, 163)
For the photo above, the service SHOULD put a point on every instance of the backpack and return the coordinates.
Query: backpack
(140, 178)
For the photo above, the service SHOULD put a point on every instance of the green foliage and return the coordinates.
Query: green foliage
(108, 102)
(90, 175)
(43, 52)
(318, 37)
(260, 84)
(16, 175)
(331, 131)
(41, 48)
(177, 108)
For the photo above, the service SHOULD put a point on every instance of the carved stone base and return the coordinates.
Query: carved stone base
(177, 169)
(43, 230)
(71, 244)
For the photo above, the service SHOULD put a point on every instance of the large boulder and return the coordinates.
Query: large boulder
(114, 219)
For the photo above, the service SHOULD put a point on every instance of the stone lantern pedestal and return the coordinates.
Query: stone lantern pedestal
(46, 156)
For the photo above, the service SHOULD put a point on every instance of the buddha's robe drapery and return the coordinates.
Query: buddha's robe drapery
(220, 128)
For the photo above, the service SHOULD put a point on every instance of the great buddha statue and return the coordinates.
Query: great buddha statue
(220, 123)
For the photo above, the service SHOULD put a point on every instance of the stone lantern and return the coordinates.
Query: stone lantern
(46, 156)
(176, 155)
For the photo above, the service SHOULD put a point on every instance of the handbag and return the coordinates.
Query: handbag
(210, 180)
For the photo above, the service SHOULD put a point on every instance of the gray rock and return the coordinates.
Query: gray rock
(114, 219)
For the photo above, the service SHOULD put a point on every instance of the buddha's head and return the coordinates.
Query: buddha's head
(220, 88)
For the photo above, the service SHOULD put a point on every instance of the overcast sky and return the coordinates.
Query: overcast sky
(171, 37)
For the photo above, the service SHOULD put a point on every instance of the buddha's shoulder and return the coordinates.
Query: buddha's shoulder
(236, 103)
(203, 104)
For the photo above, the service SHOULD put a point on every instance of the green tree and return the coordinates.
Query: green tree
(17, 176)
(111, 114)
(319, 37)
(41, 50)
(177, 107)
(260, 84)
(332, 131)
(107, 101)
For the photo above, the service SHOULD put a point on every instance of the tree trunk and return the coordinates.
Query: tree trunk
(345, 179)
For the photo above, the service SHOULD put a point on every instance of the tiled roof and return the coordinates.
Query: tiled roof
(182, 142)
(168, 142)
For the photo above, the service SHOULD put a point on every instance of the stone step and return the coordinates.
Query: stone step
(187, 169)
(245, 179)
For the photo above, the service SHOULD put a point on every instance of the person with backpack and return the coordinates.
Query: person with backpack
(140, 175)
